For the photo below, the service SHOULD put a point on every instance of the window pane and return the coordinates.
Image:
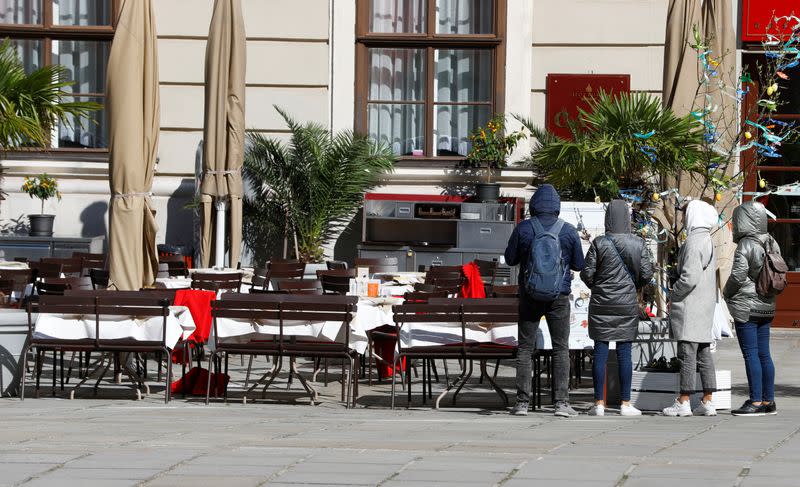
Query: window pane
(20, 12)
(781, 206)
(790, 156)
(788, 237)
(29, 52)
(398, 126)
(397, 74)
(87, 134)
(397, 16)
(82, 12)
(452, 126)
(464, 16)
(85, 62)
(463, 75)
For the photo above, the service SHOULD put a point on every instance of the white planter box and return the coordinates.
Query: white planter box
(653, 391)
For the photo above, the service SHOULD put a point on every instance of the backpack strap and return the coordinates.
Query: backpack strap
(624, 264)
(555, 230)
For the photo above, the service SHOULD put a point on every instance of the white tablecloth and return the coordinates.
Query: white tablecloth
(72, 327)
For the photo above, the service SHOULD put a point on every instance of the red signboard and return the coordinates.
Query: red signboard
(568, 92)
(757, 14)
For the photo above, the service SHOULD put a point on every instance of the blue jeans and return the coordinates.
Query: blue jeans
(753, 339)
(625, 369)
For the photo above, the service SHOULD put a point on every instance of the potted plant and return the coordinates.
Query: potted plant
(43, 187)
(303, 194)
(491, 145)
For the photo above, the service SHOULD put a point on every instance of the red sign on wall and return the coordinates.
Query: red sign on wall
(757, 14)
(568, 92)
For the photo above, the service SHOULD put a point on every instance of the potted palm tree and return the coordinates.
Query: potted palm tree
(303, 193)
(491, 146)
(42, 187)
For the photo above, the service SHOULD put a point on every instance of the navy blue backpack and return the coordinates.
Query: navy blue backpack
(545, 270)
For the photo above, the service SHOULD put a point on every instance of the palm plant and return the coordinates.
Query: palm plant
(32, 104)
(618, 141)
(308, 190)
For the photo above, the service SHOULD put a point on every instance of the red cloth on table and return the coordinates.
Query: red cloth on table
(199, 304)
(384, 346)
(195, 381)
(473, 284)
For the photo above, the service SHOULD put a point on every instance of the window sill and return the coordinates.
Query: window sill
(77, 155)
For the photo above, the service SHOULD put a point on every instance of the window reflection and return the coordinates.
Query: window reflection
(20, 12)
(82, 12)
(464, 16)
(85, 62)
(398, 16)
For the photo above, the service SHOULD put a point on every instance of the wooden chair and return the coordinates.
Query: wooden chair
(7, 289)
(70, 266)
(301, 286)
(52, 286)
(336, 265)
(460, 313)
(488, 270)
(20, 277)
(108, 304)
(277, 270)
(99, 278)
(213, 281)
(377, 266)
(176, 265)
(286, 307)
(505, 291)
(43, 270)
(90, 261)
(336, 281)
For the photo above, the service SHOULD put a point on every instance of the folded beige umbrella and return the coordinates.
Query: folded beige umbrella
(134, 114)
(223, 144)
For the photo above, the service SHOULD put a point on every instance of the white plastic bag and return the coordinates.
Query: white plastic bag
(722, 325)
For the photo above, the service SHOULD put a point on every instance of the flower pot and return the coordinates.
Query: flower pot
(487, 192)
(41, 225)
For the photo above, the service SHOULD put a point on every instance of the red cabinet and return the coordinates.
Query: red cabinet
(757, 14)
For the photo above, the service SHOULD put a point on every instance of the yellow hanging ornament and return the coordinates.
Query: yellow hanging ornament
(655, 197)
(718, 196)
(597, 199)
(748, 135)
(762, 183)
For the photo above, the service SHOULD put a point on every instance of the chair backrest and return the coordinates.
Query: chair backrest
(300, 286)
(422, 296)
(336, 281)
(7, 287)
(336, 264)
(21, 259)
(285, 307)
(213, 281)
(70, 266)
(159, 294)
(376, 266)
(286, 270)
(488, 270)
(52, 286)
(84, 283)
(90, 261)
(504, 291)
(46, 269)
(99, 278)
(176, 265)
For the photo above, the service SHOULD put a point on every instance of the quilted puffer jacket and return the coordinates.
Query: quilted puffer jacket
(750, 235)
(617, 265)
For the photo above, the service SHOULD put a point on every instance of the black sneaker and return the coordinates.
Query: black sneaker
(749, 409)
(520, 409)
(770, 408)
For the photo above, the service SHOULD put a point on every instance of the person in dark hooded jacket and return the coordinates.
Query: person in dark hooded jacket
(545, 206)
(752, 313)
(618, 264)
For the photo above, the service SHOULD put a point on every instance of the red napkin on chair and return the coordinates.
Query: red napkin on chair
(473, 284)
(199, 304)
(195, 381)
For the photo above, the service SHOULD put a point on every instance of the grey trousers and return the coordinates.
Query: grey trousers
(557, 315)
(696, 357)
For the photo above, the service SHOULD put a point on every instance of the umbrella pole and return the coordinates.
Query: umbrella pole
(222, 207)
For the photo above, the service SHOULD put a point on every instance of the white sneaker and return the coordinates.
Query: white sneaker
(629, 410)
(705, 409)
(678, 409)
(597, 410)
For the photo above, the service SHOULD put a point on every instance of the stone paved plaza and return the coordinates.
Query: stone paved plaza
(115, 441)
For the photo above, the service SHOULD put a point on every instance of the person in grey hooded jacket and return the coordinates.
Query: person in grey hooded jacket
(692, 303)
(618, 264)
(752, 313)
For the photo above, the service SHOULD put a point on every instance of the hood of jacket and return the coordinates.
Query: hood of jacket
(618, 217)
(546, 204)
(700, 214)
(749, 220)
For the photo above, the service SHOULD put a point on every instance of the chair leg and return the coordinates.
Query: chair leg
(394, 378)
(208, 384)
(225, 390)
(24, 373)
(168, 382)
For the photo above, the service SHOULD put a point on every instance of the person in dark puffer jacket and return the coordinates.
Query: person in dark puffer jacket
(618, 264)
(752, 313)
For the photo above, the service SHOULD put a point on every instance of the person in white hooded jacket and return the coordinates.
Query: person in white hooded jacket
(692, 302)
